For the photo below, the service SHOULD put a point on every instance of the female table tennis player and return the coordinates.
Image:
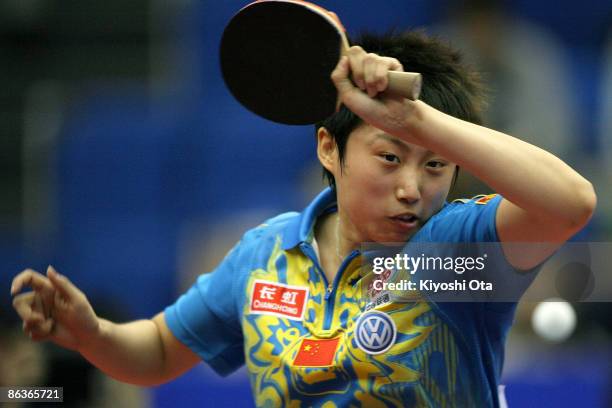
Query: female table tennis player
(287, 299)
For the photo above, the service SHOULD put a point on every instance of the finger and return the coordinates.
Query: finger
(340, 77)
(30, 278)
(29, 308)
(356, 56)
(375, 71)
(60, 303)
(34, 324)
(38, 323)
(394, 64)
(63, 285)
(381, 75)
(38, 329)
(23, 305)
(39, 306)
(41, 285)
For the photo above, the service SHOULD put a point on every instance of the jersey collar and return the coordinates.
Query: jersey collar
(300, 228)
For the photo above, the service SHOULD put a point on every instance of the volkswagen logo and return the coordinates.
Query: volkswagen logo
(375, 332)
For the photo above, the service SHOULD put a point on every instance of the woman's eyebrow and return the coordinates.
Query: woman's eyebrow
(399, 143)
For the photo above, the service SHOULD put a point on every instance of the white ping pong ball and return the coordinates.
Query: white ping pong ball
(554, 320)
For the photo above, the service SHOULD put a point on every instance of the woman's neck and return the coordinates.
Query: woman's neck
(333, 246)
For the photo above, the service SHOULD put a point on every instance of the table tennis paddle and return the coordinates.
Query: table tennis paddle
(277, 57)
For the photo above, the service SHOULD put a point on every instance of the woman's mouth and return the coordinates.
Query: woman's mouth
(405, 221)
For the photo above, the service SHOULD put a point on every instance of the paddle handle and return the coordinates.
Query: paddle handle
(406, 84)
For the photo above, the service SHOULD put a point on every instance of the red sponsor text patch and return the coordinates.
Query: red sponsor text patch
(278, 299)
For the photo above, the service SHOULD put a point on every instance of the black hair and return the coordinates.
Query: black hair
(449, 85)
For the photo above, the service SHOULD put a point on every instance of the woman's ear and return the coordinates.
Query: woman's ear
(326, 150)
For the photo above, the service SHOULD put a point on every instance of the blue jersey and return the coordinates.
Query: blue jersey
(269, 305)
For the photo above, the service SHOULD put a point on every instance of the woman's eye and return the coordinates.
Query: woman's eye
(390, 158)
(436, 164)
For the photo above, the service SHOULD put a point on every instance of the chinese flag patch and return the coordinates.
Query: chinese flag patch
(316, 352)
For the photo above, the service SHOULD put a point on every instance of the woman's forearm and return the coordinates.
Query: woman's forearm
(129, 352)
(531, 178)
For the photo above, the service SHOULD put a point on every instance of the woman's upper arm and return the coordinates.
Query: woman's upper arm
(178, 358)
(527, 240)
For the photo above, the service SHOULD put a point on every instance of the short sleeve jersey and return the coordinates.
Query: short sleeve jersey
(268, 305)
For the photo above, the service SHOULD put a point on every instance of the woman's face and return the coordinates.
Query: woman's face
(387, 188)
